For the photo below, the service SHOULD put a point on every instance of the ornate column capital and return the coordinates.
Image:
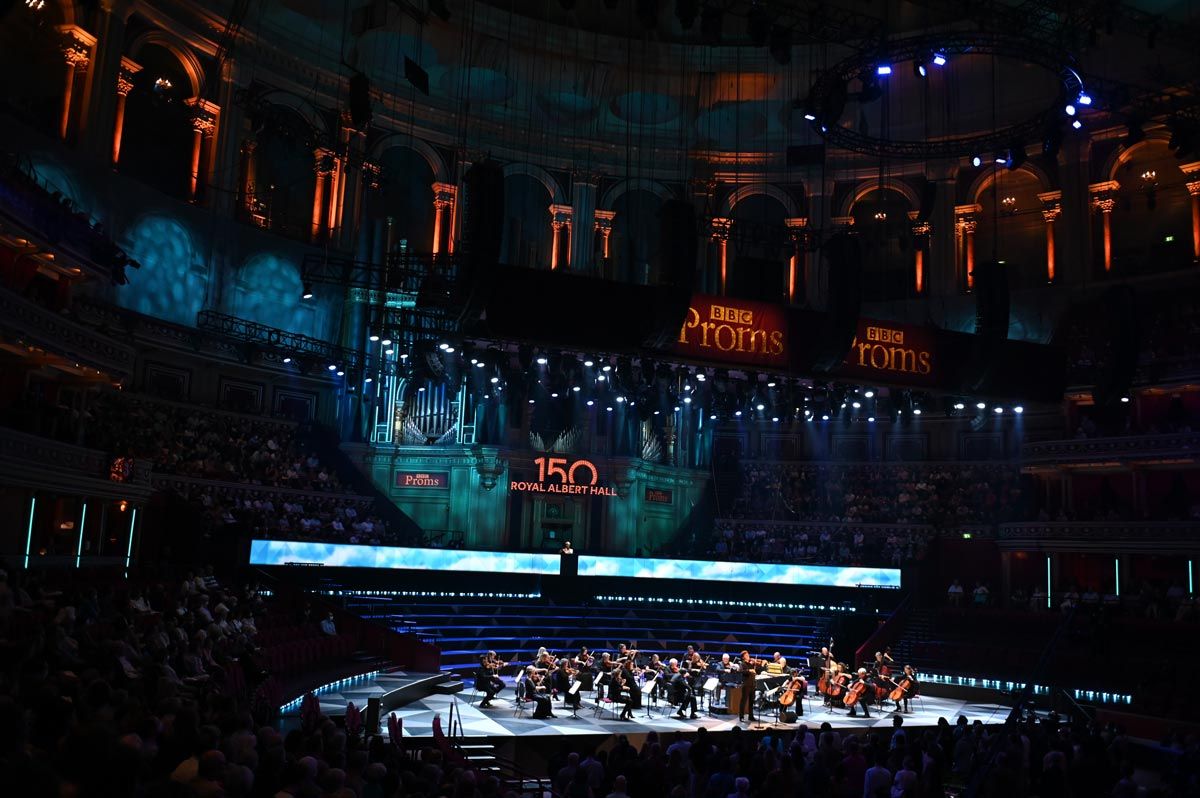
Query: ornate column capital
(702, 186)
(1051, 214)
(125, 75)
(1102, 195)
(444, 194)
(323, 159)
(204, 116)
(719, 228)
(604, 220)
(1193, 187)
(76, 45)
(561, 215)
(371, 171)
(842, 221)
(919, 228)
(1104, 204)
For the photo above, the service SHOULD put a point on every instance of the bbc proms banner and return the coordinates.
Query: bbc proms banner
(745, 572)
(346, 555)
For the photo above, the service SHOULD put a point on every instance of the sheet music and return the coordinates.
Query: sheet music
(711, 683)
(574, 688)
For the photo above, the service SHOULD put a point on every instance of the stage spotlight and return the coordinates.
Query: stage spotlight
(919, 69)
(1016, 156)
(1124, 400)
(916, 411)
(443, 346)
(332, 367)
(700, 376)
(541, 361)
(775, 419)
(1001, 158)
(939, 59)
(390, 352)
(977, 161)
(871, 419)
(959, 406)
(997, 410)
(712, 416)
(1077, 124)
(760, 407)
(856, 405)
(386, 342)
(287, 360)
(980, 405)
(883, 69)
(620, 399)
(869, 394)
(369, 380)
(590, 403)
(606, 368)
(1084, 99)
(1018, 410)
(494, 380)
(374, 337)
(307, 292)
(479, 364)
(1070, 109)
(532, 401)
(575, 388)
(589, 363)
(824, 416)
(341, 373)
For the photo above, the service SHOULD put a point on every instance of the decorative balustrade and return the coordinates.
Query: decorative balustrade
(1139, 532)
(38, 462)
(42, 327)
(1130, 447)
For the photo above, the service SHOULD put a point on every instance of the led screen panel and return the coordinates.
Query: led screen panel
(746, 572)
(345, 555)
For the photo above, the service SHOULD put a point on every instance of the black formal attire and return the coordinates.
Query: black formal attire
(682, 694)
(488, 683)
(541, 699)
(748, 683)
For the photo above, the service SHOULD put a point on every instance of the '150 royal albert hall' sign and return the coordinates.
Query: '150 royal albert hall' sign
(734, 331)
(563, 476)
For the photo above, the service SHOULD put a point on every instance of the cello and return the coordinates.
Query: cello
(797, 687)
(855, 692)
(902, 688)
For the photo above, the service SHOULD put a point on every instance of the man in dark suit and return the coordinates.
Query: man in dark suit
(681, 691)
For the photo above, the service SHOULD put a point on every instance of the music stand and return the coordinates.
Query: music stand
(646, 689)
(573, 690)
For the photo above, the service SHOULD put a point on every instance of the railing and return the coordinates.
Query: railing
(57, 333)
(1133, 531)
(39, 462)
(1132, 447)
(165, 481)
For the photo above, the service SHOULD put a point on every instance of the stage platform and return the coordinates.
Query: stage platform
(502, 720)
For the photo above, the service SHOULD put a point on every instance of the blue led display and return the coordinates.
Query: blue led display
(746, 572)
(345, 555)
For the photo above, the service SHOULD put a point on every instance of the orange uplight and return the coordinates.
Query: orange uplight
(122, 505)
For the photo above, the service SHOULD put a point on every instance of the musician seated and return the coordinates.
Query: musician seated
(487, 680)
(681, 691)
(537, 692)
(561, 682)
(860, 679)
(726, 677)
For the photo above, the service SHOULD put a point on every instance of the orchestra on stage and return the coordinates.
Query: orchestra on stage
(628, 680)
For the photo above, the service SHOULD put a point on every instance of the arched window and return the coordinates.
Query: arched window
(156, 145)
(635, 236)
(1010, 227)
(527, 232)
(285, 172)
(881, 218)
(1151, 224)
(759, 250)
(405, 180)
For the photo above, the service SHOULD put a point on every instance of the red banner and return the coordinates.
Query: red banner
(439, 480)
(890, 352)
(735, 331)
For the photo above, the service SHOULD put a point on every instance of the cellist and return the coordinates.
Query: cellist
(862, 686)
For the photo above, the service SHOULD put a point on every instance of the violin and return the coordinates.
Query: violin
(854, 693)
(797, 687)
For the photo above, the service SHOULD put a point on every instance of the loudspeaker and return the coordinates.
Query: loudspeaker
(677, 265)
(928, 198)
(360, 101)
(1113, 381)
(787, 716)
(371, 718)
(482, 232)
(805, 155)
(757, 278)
(991, 299)
(417, 76)
(843, 258)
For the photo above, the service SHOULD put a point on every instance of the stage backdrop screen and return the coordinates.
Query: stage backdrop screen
(345, 555)
(746, 572)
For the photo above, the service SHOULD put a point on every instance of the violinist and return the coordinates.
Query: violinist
(561, 681)
(618, 692)
(681, 691)
(653, 672)
(537, 692)
(487, 678)
(862, 685)
(633, 693)
(749, 672)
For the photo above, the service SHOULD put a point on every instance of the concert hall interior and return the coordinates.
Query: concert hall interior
(599, 398)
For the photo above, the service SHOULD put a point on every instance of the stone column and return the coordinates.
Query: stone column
(966, 221)
(920, 241)
(100, 93)
(1051, 210)
(1191, 172)
(583, 228)
(797, 276)
(942, 270)
(323, 166)
(352, 187)
(444, 201)
(77, 46)
(1103, 200)
(1073, 230)
(603, 228)
(204, 124)
(820, 198)
(560, 247)
(700, 192)
(720, 236)
(129, 68)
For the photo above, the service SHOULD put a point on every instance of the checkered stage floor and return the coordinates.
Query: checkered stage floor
(503, 720)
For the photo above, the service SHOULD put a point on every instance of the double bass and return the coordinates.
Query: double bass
(796, 688)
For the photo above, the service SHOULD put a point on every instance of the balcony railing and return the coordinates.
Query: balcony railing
(53, 332)
(1088, 531)
(1183, 445)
